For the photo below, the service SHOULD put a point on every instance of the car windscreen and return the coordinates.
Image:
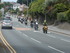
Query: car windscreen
(7, 21)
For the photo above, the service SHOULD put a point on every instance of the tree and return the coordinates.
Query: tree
(0, 14)
(1, 6)
(51, 8)
(24, 1)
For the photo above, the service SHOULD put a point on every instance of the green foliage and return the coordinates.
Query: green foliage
(64, 16)
(19, 1)
(61, 16)
(1, 6)
(54, 9)
(68, 15)
(60, 7)
(24, 1)
(7, 4)
(17, 10)
(0, 14)
(37, 6)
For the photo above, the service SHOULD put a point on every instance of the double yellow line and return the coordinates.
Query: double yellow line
(6, 43)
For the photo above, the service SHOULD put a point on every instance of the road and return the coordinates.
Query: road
(26, 40)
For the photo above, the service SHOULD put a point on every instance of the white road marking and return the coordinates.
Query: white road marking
(65, 40)
(21, 33)
(48, 32)
(56, 49)
(25, 35)
(36, 31)
(51, 36)
(36, 40)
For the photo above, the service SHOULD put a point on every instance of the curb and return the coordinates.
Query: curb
(59, 32)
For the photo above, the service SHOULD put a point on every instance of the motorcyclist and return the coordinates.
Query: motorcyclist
(22, 20)
(25, 21)
(45, 23)
(45, 26)
(36, 25)
(31, 23)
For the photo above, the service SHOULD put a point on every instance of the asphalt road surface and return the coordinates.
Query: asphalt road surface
(26, 40)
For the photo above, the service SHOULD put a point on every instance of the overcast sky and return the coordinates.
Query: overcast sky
(10, 0)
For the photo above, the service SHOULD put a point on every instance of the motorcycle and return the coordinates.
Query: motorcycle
(36, 26)
(25, 23)
(31, 25)
(45, 28)
(21, 20)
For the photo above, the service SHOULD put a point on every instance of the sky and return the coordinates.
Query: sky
(10, 0)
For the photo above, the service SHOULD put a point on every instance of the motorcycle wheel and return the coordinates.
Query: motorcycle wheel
(43, 30)
(46, 31)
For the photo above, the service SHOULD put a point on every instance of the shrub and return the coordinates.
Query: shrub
(64, 16)
(68, 15)
(61, 16)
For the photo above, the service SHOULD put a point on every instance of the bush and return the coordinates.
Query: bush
(68, 15)
(64, 16)
(0, 14)
(61, 7)
(61, 16)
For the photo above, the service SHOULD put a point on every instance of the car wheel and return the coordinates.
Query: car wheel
(10, 27)
(2, 27)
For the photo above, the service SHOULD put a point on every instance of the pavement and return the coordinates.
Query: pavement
(56, 29)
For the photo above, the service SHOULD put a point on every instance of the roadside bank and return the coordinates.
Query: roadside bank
(3, 48)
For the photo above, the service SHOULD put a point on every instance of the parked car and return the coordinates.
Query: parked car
(6, 24)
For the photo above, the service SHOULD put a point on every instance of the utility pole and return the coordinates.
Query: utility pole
(2, 10)
(27, 8)
(31, 1)
(45, 12)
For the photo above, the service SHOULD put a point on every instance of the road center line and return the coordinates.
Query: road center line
(65, 40)
(25, 35)
(51, 36)
(21, 33)
(48, 35)
(36, 40)
(36, 31)
(56, 49)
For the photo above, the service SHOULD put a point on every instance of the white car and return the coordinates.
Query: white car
(6, 24)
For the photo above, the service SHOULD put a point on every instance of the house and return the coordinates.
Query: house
(16, 5)
(19, 6)
(23, 7)
(1, 1)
